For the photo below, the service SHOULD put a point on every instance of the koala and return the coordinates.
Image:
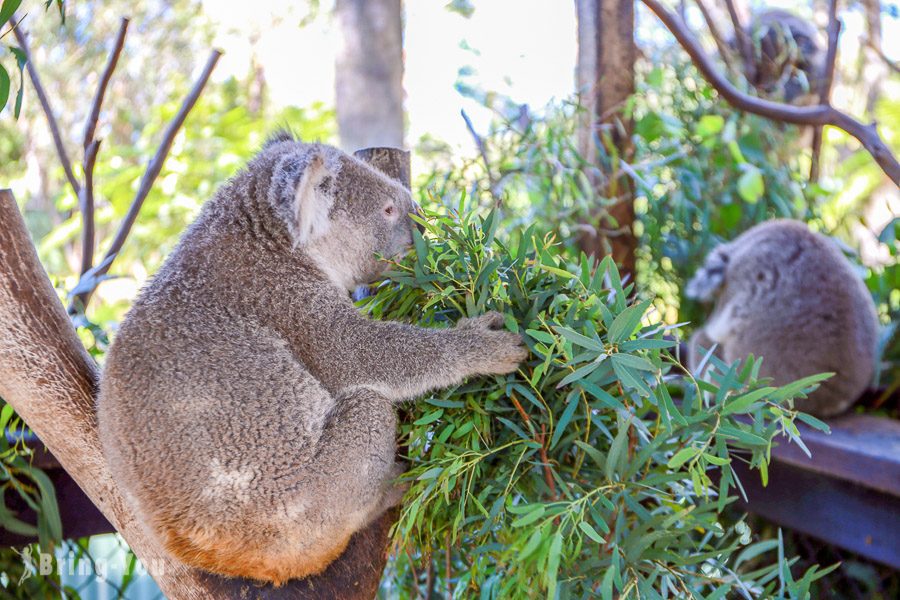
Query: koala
(246, 406)
(790, 56)
(789, 295)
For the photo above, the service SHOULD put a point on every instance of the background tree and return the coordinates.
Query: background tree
(369, 73)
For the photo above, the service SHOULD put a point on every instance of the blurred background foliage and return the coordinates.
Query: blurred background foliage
(703, 174)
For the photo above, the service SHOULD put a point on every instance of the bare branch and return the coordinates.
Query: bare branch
(798, 115)
(86, 205)
(150, 175)
(721, 45)
(90, 125)
(834, 32)
(895, 67)
(479, 143)
(743, 41)
(45, 105)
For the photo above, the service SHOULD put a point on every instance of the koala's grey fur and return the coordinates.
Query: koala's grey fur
(791, 59)
(789, 295)
(246, 406)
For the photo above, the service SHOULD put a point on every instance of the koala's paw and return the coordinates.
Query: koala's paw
(501, 351)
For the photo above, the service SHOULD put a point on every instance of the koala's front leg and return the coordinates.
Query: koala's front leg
(401, 361)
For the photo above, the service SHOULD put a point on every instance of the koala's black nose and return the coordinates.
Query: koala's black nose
(417, 210)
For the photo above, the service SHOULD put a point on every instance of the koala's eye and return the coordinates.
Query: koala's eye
(389, 210)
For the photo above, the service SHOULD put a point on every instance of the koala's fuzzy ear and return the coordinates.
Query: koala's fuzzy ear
(312, 201)
(300, 193)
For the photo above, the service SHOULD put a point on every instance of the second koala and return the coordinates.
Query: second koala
(789, 295)
(246, 407)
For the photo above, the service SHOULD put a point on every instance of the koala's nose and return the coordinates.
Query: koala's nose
(417, 210)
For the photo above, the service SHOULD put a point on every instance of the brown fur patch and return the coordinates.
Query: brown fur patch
(235, 558)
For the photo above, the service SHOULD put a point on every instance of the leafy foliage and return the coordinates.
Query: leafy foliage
(580, 473)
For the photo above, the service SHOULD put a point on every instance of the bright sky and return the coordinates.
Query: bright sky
(523, 48)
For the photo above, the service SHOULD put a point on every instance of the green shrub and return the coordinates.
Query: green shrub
(580, 473)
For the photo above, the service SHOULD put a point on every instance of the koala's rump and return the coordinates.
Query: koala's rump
(215, 450)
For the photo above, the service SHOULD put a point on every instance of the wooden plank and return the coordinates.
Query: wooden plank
(838, 511)
(861, 449)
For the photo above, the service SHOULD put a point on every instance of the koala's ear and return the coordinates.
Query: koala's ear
(312, 201)
(300, 193)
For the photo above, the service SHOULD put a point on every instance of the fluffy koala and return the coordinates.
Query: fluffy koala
(790, 60)
(789, 295)
(246, 407)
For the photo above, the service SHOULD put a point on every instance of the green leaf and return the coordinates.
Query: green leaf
(528, 518)
(571, 407)
(591, 532)
(429, 418)
(7, 9)
(682, 456)
(741, 404)
(626, 322)
(553, 564)
(750, 184)
(541, 336)
(710, 125)
(814, 422)
(4, 87)
(579, 339)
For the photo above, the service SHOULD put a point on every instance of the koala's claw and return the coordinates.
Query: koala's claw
(506, 351)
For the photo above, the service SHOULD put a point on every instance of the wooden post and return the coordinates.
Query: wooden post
(605, 74)
(51, 381)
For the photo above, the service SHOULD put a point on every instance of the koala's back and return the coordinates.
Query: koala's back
(196, 402)
(792, 297)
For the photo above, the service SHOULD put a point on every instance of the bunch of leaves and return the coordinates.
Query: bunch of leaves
(884, 283)
(23, 484)
(582, 472)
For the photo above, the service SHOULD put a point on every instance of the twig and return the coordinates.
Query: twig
(90, 125)
(724, 50)
(895, 67)
(743, 40)
(45, 105)
(86, 205)
(479, 143)
(153, 170)
(548, 474)
(447, 571)
(834, 32)
(798, 115)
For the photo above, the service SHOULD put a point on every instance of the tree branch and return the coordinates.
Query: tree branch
(86, 206)
(721, 45)
(479, 143)
(149, 177)
(90, 125)
(834, 32)
(798, 115)
(891, 64)
(743, 41)
(45, 105)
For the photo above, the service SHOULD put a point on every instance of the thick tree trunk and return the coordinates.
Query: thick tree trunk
(369, 73)
(874, 70)
(50, 380)
(605, 78)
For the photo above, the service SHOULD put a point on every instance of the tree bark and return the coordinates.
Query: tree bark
(369, 73)
(605, 78)
(51, 381)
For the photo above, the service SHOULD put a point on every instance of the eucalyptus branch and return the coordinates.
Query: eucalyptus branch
(482, 150)
(90, 125)
(834, 32)
(895, 67)
(743, 40)
(721, 45)
(45, 105)
(149, 177)
(86, 206)
(798, 115)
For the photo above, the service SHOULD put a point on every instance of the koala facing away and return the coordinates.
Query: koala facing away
(246, 406)
(789, 295)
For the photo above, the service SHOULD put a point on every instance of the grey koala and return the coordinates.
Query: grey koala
(789, 295)
(246, 407)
